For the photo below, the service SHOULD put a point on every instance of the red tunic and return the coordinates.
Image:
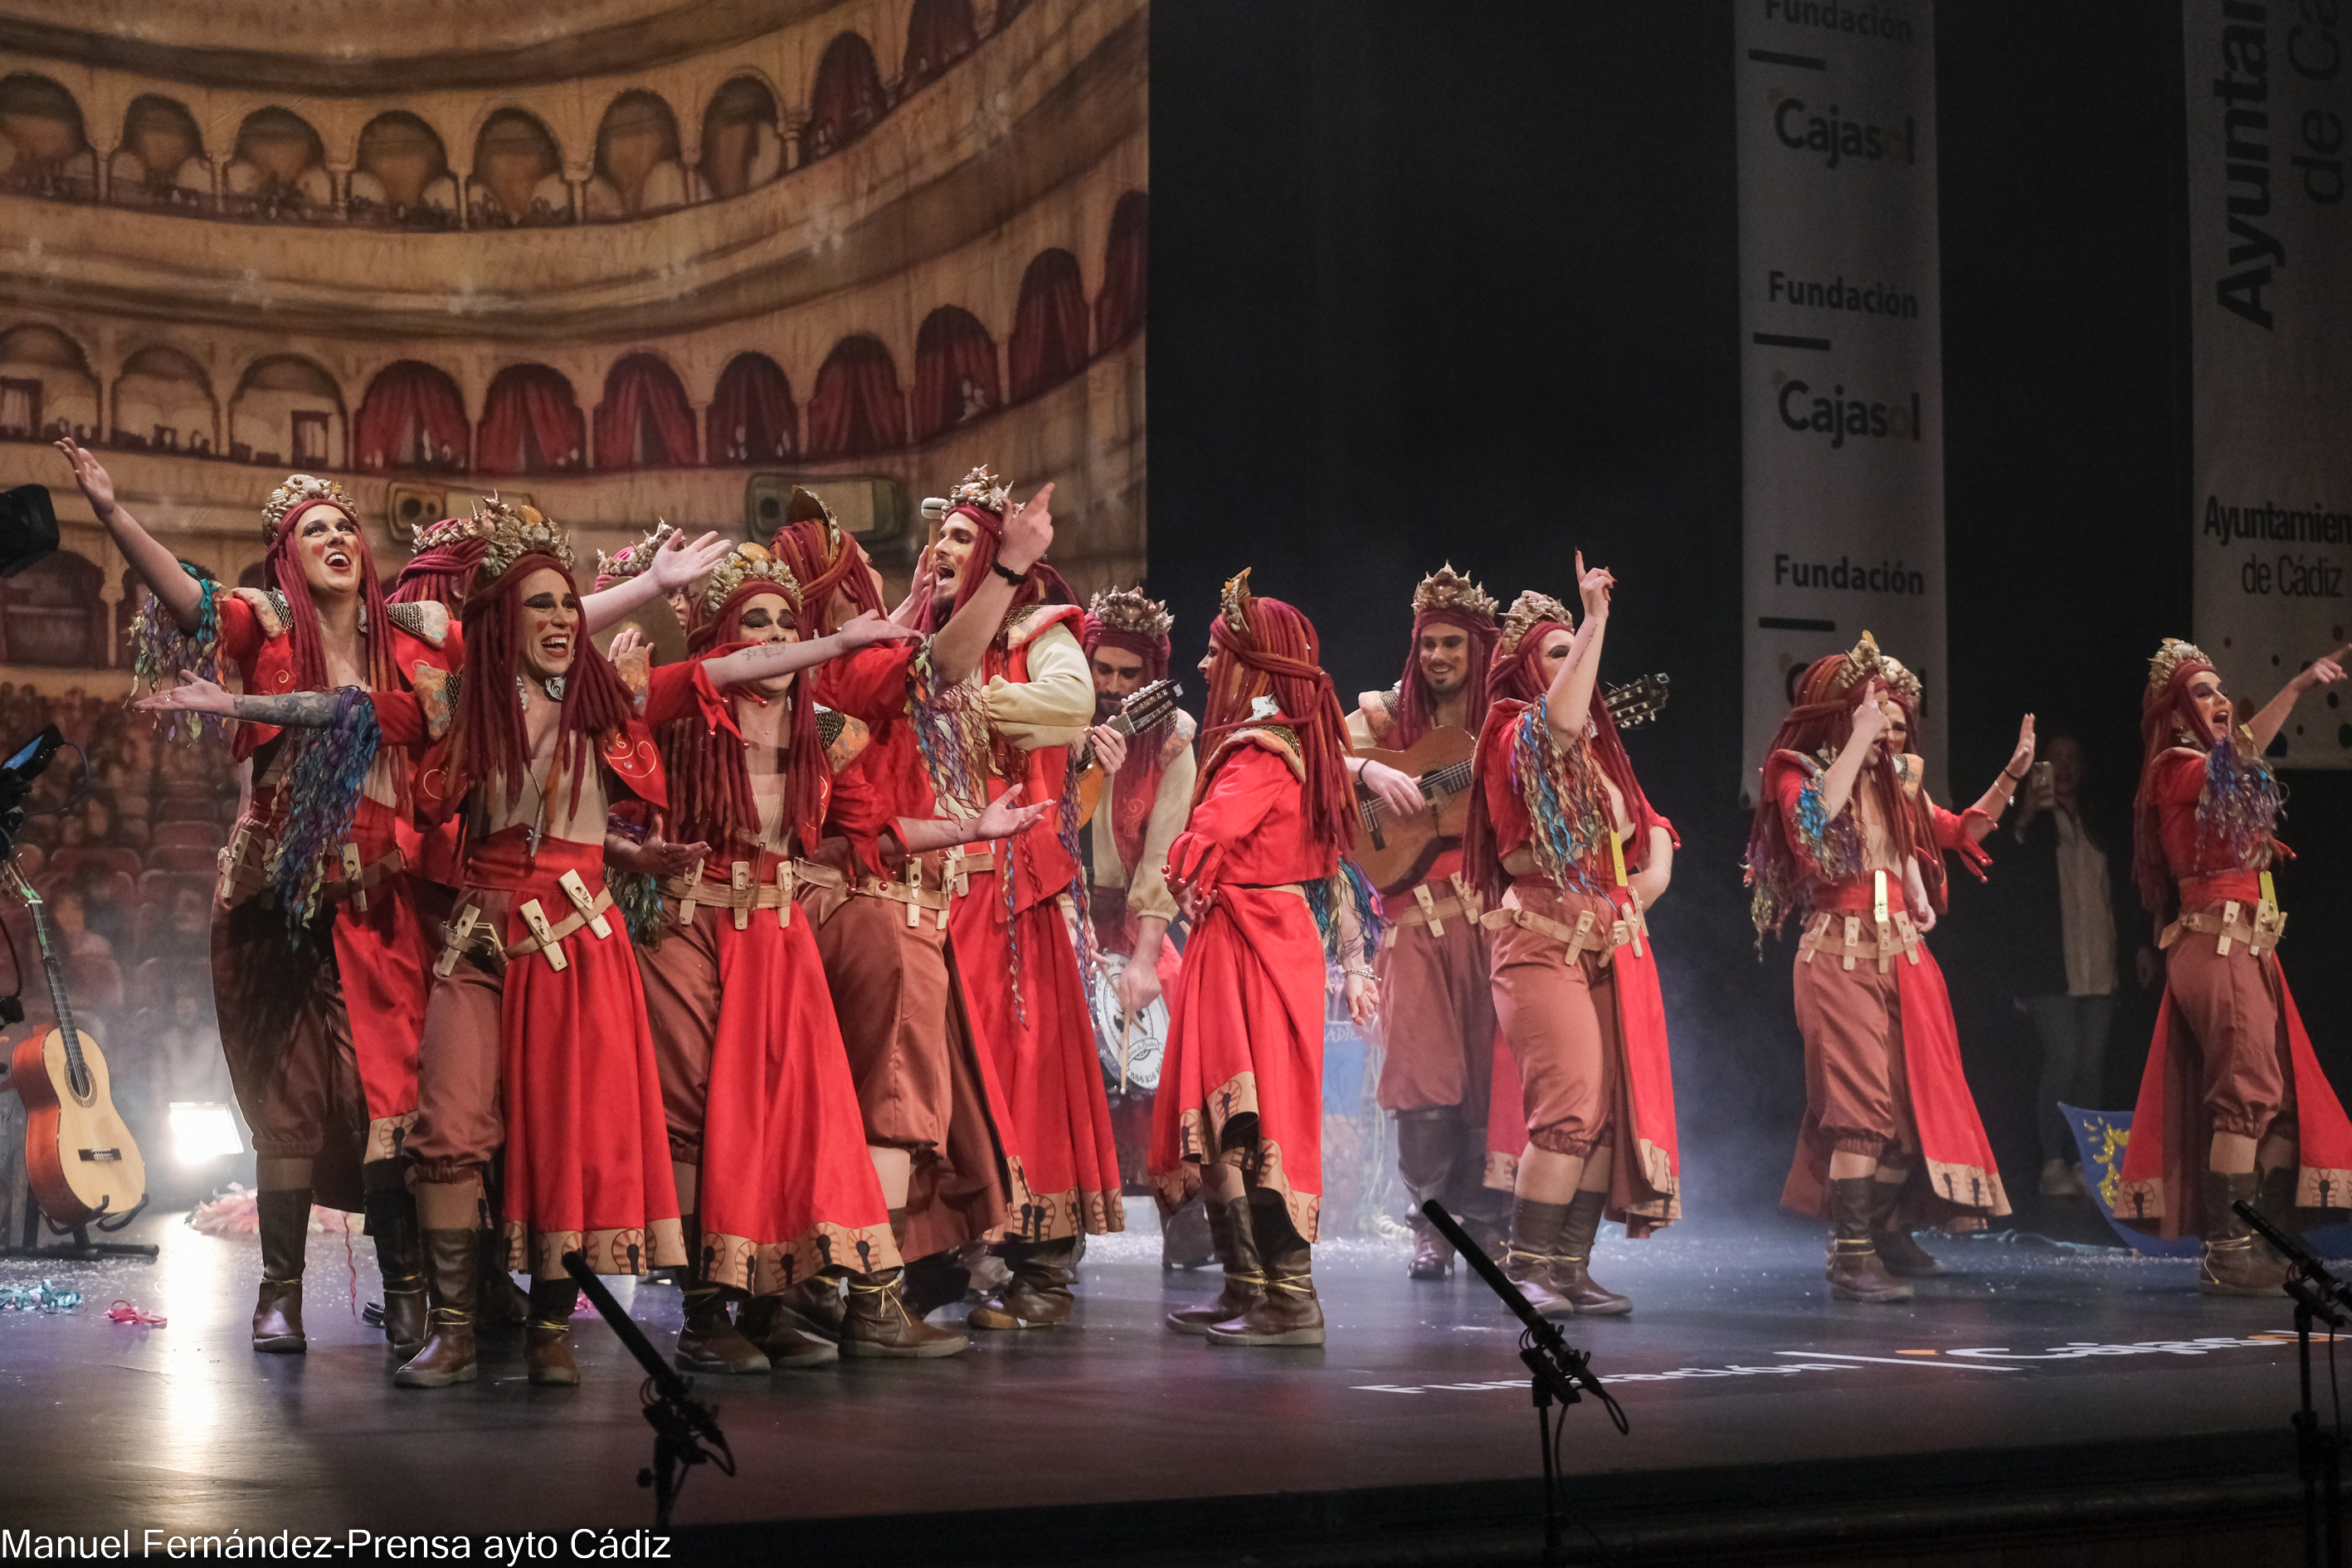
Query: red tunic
(382, 944)
(1241, 1081)
(2230, 1053)
(1962, 1186)
(786, 1187)
(1645, 1179)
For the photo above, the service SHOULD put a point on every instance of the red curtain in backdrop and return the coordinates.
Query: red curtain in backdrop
(955, 371)
(848, 98)
(939, 33)
(645, 421)
(1127, 271)
(857, 407)
(411, 417)
(752, 416)
(530, 424)
(1049, 329)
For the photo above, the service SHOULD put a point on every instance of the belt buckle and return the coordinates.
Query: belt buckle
(352, 869)
(784, 893)
(693, 887)
(541, 929)
(453, 941)
(738, 883)
(576, 889)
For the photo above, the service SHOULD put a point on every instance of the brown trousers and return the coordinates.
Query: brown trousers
(2226, 1011)
(1561, 1018)
(459, 1123)
(1857, 1094)
(1437, 1019)
(287, 1041)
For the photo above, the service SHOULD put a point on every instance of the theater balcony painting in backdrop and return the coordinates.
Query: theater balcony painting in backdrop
(666, 269)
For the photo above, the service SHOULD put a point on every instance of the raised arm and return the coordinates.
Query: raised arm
(769, 660)
(2266, 724)
(960, 645)
(1985, 815)
(157, 567)
(675, 564)
(1567, 706)
(1869, 723)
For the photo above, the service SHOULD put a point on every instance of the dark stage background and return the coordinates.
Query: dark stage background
(1458, 281)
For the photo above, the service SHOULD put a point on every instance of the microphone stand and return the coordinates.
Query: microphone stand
(1557, 1370)
(2318, 1295)
(681, 1423)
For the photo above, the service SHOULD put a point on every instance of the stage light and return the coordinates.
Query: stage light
(203, 1131)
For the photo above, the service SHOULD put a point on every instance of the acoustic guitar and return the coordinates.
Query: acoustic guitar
(84, 1164)
(1145, 709)
(1397, 853)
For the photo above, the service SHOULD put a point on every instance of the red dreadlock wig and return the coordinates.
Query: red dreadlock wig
(2240, 801)
(1822, 715)
(826, 563)
(1264, 647)
(491, 742)
(282, 570)
(710, 798)
(448, 553)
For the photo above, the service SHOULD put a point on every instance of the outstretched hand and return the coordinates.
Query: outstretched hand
(869, 627)
(2023, 757)
(195, 694)
(1005, 815)
(2324, 671)
(629, 639)
(96, 484)
(678, 564)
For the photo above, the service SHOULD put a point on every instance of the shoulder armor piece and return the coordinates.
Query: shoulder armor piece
(424, 619)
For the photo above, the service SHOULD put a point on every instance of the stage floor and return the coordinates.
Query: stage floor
(1734, 1362)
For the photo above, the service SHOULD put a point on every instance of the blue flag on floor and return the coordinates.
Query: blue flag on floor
(2103, 1135)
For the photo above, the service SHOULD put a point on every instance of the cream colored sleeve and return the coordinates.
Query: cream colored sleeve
(1055, 705)
(1146, 888)
(1360, 732)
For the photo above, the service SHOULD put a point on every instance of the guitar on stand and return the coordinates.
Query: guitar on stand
(81, 1159)
(1397, 852)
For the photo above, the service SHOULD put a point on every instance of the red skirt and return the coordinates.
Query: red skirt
(2229, 1047)
(1056, 1116)
(1241, 1081)
(587, 1153)
(755, 1068)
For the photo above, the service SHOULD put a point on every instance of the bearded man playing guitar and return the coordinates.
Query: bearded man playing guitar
(1147, 795)
(1438, 1007)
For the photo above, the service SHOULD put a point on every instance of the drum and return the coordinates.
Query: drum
(1147, 1036)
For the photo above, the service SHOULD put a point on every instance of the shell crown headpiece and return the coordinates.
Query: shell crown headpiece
(1865, 663)
(1446, 589)
(300, 490)
(1131, 611)
(1529, 611)
(749, 563)
(981, 488)
(443, 533)
(1899, 678)
(1234, 601)
(631, 560)
(2169, 658)
(515, 532)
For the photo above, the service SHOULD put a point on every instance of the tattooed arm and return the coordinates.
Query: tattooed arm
(299, 710)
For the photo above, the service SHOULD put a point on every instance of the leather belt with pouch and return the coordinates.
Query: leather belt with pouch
(1428, 910)
(247, 865)
(472, 932)
(2257, 930)
(1591, 933)
(741, 894)
(910, 891)
(960, 866)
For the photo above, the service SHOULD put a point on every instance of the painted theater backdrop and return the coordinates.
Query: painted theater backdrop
(625, 258)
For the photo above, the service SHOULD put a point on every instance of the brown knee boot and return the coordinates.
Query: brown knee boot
(501, 1305)
(2277, 1186)
(1571, 1268)
(1185, 1242)
(1038, 1296)
(547, 1338)
(1428, 1149)
(764, 1322)
(709, 1340)
(285, 1220)
(1288, 1314)
(1236, 1244)
(400, 1263)
(1854, 1272)
(2235, 1264)
(1898, 1249)
(451, 1272)
(1533, 1251)
(876, 1321)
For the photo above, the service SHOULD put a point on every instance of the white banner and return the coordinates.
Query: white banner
(1842, 358)
(2270, 111)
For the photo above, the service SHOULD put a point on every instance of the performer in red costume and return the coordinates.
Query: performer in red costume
(534, 1037)
(319, 955)
(2234, 1106)
(931, 1104)
(1890, 1127)
(1259, 872)
(1437, 1003)
(1009, 724)
(1146, 792)
(766, 1140)
(1561, 838)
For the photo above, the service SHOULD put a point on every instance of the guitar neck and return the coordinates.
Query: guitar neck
(54, 971)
